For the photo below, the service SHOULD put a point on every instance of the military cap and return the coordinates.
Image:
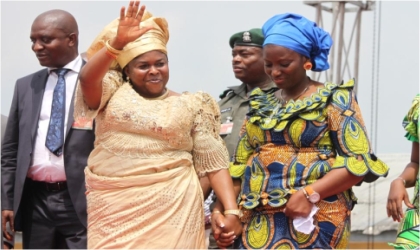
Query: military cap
(252, 37)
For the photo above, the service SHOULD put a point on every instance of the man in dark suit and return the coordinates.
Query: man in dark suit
(3, 125)
(44, 152)
(6, 243)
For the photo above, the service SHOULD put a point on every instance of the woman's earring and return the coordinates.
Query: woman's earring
(127, 79)
(307, 66)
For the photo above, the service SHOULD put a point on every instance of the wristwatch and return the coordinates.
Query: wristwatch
(236, 212)
(310, 194)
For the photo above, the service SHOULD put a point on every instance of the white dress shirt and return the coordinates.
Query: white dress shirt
(45, 165)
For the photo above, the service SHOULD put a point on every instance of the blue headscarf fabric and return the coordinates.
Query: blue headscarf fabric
(301, 35)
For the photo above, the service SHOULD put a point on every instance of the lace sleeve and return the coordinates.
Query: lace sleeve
(209, 150)
(110, 83)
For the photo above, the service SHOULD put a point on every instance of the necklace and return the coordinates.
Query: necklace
(160, 97)
(284, 102)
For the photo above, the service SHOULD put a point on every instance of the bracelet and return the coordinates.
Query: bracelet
(216, 212)
(109, 53)
(305, 193)
(399, 177)
(236, 212)
(111, 49)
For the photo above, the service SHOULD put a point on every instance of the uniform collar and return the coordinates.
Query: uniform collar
(240, 90)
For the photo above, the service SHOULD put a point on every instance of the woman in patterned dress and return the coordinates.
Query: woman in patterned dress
(408, 233)
(151, 144)
(304, 146)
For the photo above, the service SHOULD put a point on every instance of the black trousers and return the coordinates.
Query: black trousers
(50, 221)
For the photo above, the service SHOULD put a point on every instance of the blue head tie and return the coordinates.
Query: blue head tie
(301, 35)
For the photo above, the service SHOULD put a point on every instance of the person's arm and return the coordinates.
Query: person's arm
(336, 181)
(243, 151)
(211, 157)
(9, 151)
(222, 185)
(205, 186)
(411, 171)
(95, 69)
(355, 161)
(236, 188)
(91, 77)
(398, 192)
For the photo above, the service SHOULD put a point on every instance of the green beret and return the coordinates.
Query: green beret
(252, 37)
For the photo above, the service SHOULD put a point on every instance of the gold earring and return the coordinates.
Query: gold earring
(127, 79)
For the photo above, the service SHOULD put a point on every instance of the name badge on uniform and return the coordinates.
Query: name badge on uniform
(83, 123)
(226, 127)
(226, 110)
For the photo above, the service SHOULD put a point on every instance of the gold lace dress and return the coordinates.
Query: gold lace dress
(142, 176)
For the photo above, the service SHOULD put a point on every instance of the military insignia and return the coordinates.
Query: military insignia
(225, 93)
(246, 37)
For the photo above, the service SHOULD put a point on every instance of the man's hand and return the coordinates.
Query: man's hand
(7, 216)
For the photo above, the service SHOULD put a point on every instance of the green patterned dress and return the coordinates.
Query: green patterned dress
(408, 232)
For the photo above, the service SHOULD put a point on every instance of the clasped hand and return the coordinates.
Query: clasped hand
(225, 229)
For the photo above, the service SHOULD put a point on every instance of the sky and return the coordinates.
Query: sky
(200, 56)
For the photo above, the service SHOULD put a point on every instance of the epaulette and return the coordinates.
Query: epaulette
(225, 93)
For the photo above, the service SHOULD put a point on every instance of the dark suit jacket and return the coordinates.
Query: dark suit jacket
(18, 146)
(3, 125)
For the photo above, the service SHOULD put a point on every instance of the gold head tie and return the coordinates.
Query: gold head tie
(154, 39)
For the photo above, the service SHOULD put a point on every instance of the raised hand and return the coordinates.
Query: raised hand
(129, 25)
